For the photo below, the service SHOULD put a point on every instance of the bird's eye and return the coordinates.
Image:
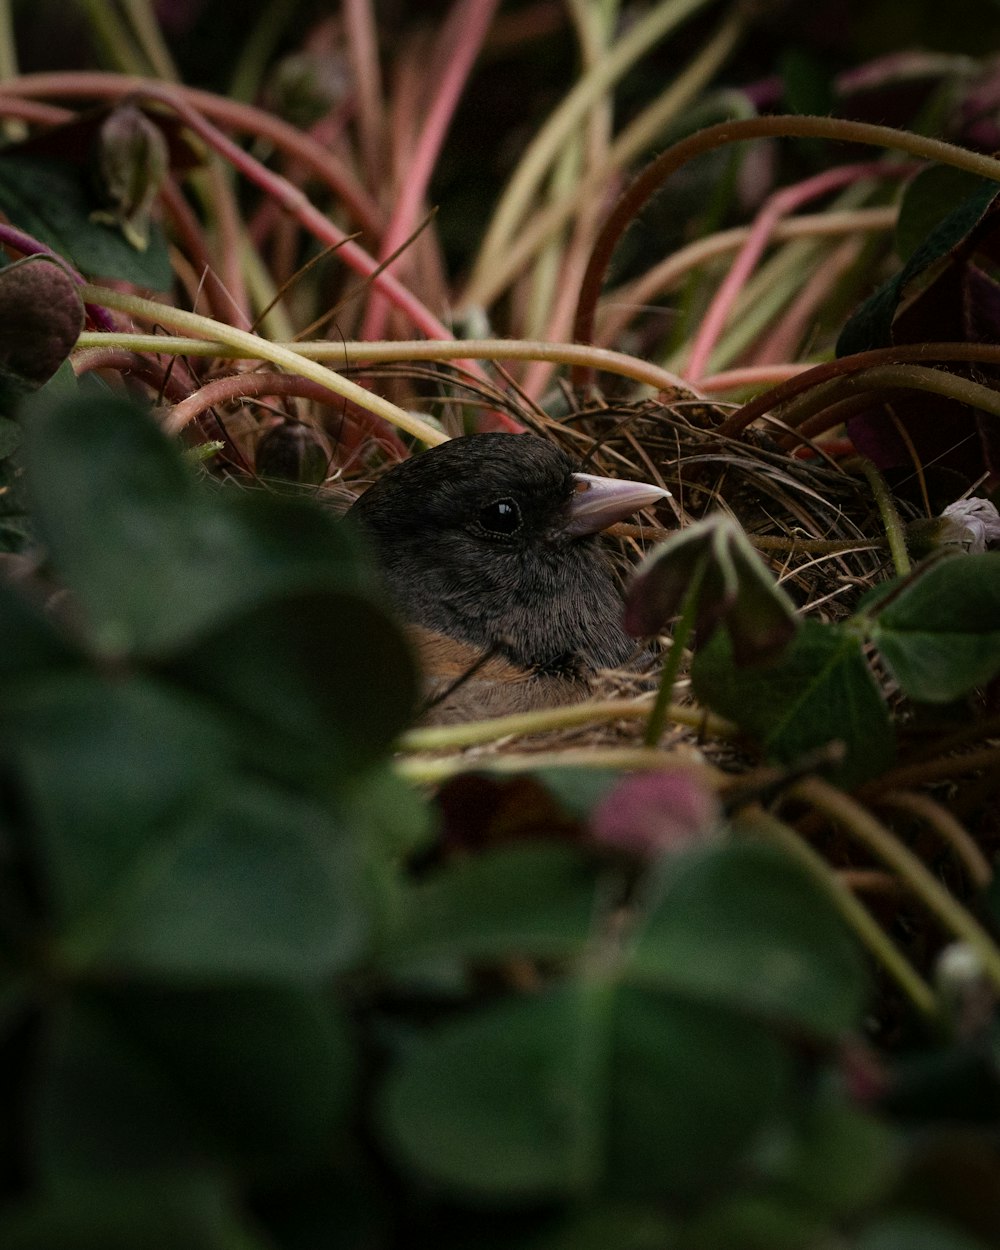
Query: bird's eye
(501, 518)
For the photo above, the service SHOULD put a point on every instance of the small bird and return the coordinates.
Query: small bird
(488, 543)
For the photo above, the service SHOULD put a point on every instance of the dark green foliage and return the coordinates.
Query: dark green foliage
(232, 1016)
(54, 202)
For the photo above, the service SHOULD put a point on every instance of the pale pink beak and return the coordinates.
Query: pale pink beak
(601, 501)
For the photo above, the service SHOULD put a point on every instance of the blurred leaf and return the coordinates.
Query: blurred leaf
(255, 886)
(625, 1226)
(912, 1231)
(52, 201)
(318, 684)
(832, 1157)
(158, 857)
(930, 198)
(522, 900)
(742, 926)
(159, 1213)
(31, 642)
(820, 690)
(940, 635)
(586, 1086)
(142, 1079)
(10, 437)
(113, 495)
(871, 325)
(754, 1222)
(110, 769)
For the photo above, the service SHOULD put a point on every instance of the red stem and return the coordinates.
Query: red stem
(461, 42)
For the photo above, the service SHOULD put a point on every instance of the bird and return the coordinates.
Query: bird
(488, 548)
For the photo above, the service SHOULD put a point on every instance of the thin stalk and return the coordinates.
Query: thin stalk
(434, 771)
(245, 80)
(951, 832)
(244, 118)
(671, 666)
(8, 64)
(537, 160)
(898, 376)
(780, 126)
(891, 519)
(476, 733)
(260, 349)
(788, 335)
(150, 39)
(113, 37)
(860, 824)
(829, 371)
(778, 205)
(465, 30)
(488, 281)
(354, 353)
(858, 918)
(594, 25)
(619, 305)
(237, 387)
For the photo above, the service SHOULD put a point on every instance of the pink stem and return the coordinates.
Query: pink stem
(778, 205)
(463, 36)
(242, 117)
(143, 366)
(362, 42)
(239, 386)
(752, 375)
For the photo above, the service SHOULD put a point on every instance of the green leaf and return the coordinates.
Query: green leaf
(255, 886)
(31, 642)
(108, 768)
(820, 690)
(529, 900)
(915, 1232)
(832, 1157)
(626, 1226)
(319, 683)
(157, 857)
(586, 1086)
(138, 1078)
(754, 1222)
(10, 437)
(742, 926)
(871, 324)
(930, 197)
(51, 201)
(940, 636)
(112, 496)
(156, 1213)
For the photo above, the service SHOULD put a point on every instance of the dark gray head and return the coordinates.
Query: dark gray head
(492, 539)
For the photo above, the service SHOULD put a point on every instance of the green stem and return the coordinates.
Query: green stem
(671, 667)
(868, 931)
(353, 353)
(862, 826)
(257, 348)
(780, 126)
(114, 39)
(564, 123)
(894, 531)
(150, 38)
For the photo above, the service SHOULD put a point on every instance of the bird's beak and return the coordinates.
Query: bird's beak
(598, 502)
